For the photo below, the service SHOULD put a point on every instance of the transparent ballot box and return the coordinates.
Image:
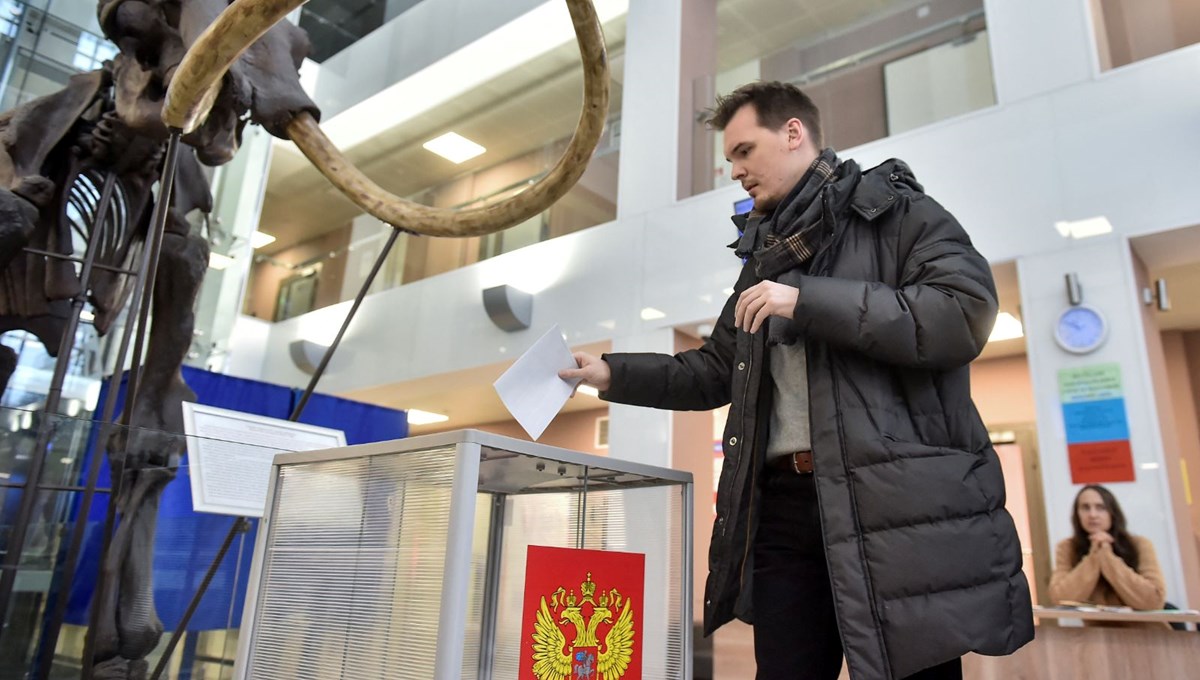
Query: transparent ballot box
(411, 558)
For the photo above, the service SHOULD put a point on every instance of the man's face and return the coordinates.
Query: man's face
(766, 162)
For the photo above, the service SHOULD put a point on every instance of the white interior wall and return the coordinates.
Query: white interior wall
(1008, 173)
(1038, 46)
(649, 166)
(248, 342)
(1104, 266)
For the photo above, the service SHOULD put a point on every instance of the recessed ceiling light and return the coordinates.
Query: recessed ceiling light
(1008, 327)
(219, 261)
(1003, 437)
(259, 239)
(454, 147)
(419, 417)
(1093, 226)
(588, 390)
(650, 314)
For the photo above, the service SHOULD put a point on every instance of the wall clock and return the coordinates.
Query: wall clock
(1080, 329)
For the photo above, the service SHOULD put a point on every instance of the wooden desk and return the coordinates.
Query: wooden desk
(1056, 653)
(1140, 617)
(1096, 653)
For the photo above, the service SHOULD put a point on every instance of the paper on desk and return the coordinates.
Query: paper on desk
(531, 388)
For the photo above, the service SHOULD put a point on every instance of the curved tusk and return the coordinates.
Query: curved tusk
(373, 199)
(197, 79)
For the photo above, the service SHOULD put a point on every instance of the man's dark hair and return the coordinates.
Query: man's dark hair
(1123, 544)
(776, 103)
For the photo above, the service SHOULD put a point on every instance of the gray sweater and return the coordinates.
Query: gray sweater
(789, 415)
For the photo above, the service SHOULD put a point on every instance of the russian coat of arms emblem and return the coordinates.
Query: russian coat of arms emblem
(586, 631)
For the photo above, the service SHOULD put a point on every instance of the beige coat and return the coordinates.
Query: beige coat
(1103, 578)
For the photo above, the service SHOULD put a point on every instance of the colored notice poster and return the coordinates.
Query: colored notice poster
(582, 615)
(1096, 425)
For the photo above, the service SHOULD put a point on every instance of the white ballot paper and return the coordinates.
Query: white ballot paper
(531, 388)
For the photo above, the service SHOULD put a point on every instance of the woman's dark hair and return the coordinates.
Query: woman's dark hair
(1123, 545)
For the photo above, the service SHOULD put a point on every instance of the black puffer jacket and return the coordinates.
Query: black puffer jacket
(923, 558)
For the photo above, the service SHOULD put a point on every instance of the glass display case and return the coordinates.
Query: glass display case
(407, 559)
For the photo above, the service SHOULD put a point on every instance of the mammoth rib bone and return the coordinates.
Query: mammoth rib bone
(196, 81)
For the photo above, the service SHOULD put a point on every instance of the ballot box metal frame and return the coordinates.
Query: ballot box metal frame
(481, 461)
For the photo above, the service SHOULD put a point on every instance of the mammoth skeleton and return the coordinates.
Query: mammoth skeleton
(82, 165)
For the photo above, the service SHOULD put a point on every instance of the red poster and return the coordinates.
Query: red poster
(1101, 462)
(582, 618)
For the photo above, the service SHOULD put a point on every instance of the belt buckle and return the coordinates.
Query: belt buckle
(807, 468)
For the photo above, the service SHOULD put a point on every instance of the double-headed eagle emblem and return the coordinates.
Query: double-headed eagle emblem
(584, 658)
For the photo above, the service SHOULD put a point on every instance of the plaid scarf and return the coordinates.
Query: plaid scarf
(795, 228)
(794, 235)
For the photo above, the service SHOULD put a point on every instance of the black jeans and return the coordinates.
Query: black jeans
(795, 628)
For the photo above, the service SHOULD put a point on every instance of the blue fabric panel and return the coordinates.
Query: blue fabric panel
(362, 423)
(186, 541)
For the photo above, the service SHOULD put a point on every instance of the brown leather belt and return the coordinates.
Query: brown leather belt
(799, 463)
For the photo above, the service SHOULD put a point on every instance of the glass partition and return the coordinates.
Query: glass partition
(184, 545)
(334, 25)
(873, 69)
(43, 44)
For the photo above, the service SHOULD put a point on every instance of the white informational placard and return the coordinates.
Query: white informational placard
(230, 454)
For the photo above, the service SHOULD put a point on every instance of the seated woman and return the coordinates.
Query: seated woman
(1103, 563)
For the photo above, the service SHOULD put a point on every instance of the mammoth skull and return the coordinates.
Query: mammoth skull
(154, 36)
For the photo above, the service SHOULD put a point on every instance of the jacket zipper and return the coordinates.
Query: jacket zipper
(753, 474)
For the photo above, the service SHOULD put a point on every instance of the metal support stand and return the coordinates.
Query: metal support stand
(308, 392)
(362, 293)
(48, 426)
(240, 525)
(491, 587)
(142, 299)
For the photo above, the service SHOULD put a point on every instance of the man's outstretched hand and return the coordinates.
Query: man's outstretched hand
(593, 370)
(763, 300)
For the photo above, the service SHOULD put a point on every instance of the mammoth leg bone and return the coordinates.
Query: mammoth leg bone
(132, 628)
(147, 458)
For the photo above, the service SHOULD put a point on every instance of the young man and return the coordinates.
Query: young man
(860, 506)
